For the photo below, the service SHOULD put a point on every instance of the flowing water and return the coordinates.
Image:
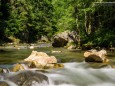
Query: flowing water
(79, 74)
(76, 72)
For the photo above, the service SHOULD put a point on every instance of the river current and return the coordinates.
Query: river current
(76, 72)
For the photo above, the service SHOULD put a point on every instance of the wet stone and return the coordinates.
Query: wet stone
(26, 78)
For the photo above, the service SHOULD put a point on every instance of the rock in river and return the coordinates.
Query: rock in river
(24, 78)
(42, 60)
(96, 56)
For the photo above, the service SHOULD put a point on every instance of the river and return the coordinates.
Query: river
(76, 72)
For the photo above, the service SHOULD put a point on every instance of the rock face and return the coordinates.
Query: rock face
(24, 78)
(41, 60)
(96, 56)
(61, 39)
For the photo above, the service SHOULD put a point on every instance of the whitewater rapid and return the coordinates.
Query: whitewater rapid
(77, 74)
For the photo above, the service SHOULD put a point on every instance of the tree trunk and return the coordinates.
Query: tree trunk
(78, 30)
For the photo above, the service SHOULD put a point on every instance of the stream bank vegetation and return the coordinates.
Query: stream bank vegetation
(26, 21)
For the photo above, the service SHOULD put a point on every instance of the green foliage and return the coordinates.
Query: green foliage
(28, 20)
(62, 15)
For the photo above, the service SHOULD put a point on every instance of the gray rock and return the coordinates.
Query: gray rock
(25, 78)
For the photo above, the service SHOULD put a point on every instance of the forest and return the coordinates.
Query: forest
(29, 20)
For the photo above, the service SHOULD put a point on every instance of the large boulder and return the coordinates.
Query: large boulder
(42, 60)
(63, 38)
(41, 57)
(24, 78)
(59, 42)
(96, 56)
